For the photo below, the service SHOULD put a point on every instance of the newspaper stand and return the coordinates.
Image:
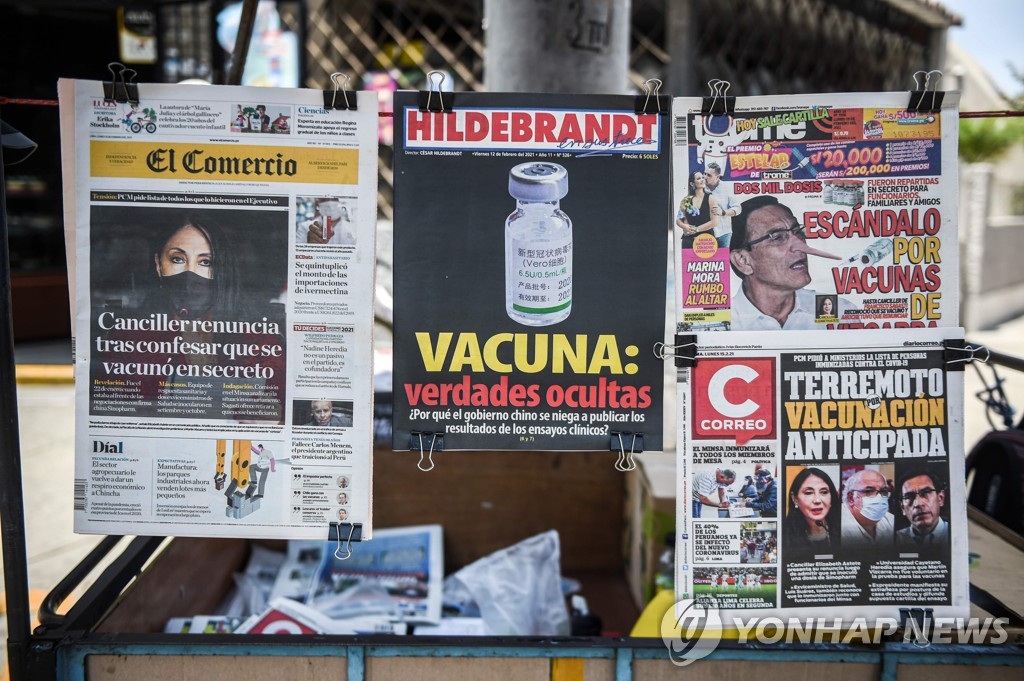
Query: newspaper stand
(110, 632)
(485, 500)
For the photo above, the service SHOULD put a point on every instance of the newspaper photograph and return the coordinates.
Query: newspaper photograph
(805, 212)
(530, 272)
(221, 252)
(823, 474)
(397, 576)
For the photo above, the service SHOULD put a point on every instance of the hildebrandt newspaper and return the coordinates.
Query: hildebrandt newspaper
(823, 473)
(221, 251)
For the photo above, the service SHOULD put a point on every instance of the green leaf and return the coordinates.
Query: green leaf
(989, 139)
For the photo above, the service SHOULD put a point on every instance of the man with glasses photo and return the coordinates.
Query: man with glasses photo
(769, 253)
(866, 520)
(922, 497)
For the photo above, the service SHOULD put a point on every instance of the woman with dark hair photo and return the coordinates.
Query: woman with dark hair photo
(826, 308)
(695, 215)
(812, 515)
(174, 309)
(195, 271)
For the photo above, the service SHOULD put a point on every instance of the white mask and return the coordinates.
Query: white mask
(874, 508)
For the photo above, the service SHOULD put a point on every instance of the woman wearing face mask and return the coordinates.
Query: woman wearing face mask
(866, 517)
(195, 272)
(812, 515)
(197, 326)
(748, 490)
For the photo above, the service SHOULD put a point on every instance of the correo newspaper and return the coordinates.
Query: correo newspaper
(822, 474)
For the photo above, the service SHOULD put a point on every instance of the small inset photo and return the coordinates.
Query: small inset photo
(342, 514)
(343, 481)
(923, 521)
(325, 221)
(758, 542)
(262, 118)
(826, 309)
(343, 498)
(868, 505)
(322, 413)
(813, 510)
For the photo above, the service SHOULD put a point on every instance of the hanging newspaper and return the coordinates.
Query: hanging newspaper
(529, 272)
(823, 474)
(221, 252)
(816, 212)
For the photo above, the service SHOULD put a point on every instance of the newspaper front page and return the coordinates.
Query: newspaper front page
(531, 233)
(810, 212)
(221, 248)
(822, 474)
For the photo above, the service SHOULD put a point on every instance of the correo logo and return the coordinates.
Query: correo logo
(734, 398)
(691, 631)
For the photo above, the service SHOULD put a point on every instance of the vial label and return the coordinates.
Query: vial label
(542, 275)
(874, 253)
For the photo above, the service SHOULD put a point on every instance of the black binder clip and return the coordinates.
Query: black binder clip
(651, 102)
(344, 534)
(684, 350)
(919, 621)
(718, 104)
(432, 99)
(626, 462)
(122, 87)
(426, 443)
(957, 353)
(344, 102)
(922, 99)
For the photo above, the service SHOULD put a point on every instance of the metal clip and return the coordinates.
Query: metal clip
(338, 553)
(652, 86)
(626, 462)
(719, 91)
(429, 454)
(431, 88)
(119, 89)
(973, 352)
(339, 87)
(684, 352)
(921, 91)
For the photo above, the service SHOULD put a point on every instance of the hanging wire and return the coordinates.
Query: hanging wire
(1006, 113)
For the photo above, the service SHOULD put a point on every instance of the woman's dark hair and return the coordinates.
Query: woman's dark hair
(796, 523)
(691, 188)
(821, 305)
(225, 266)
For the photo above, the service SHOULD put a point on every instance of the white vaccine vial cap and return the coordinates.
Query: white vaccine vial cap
(538, 181)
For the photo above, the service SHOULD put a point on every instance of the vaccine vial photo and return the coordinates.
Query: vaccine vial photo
(538, 246)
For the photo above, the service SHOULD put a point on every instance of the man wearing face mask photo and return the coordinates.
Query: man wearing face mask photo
(866, 520)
